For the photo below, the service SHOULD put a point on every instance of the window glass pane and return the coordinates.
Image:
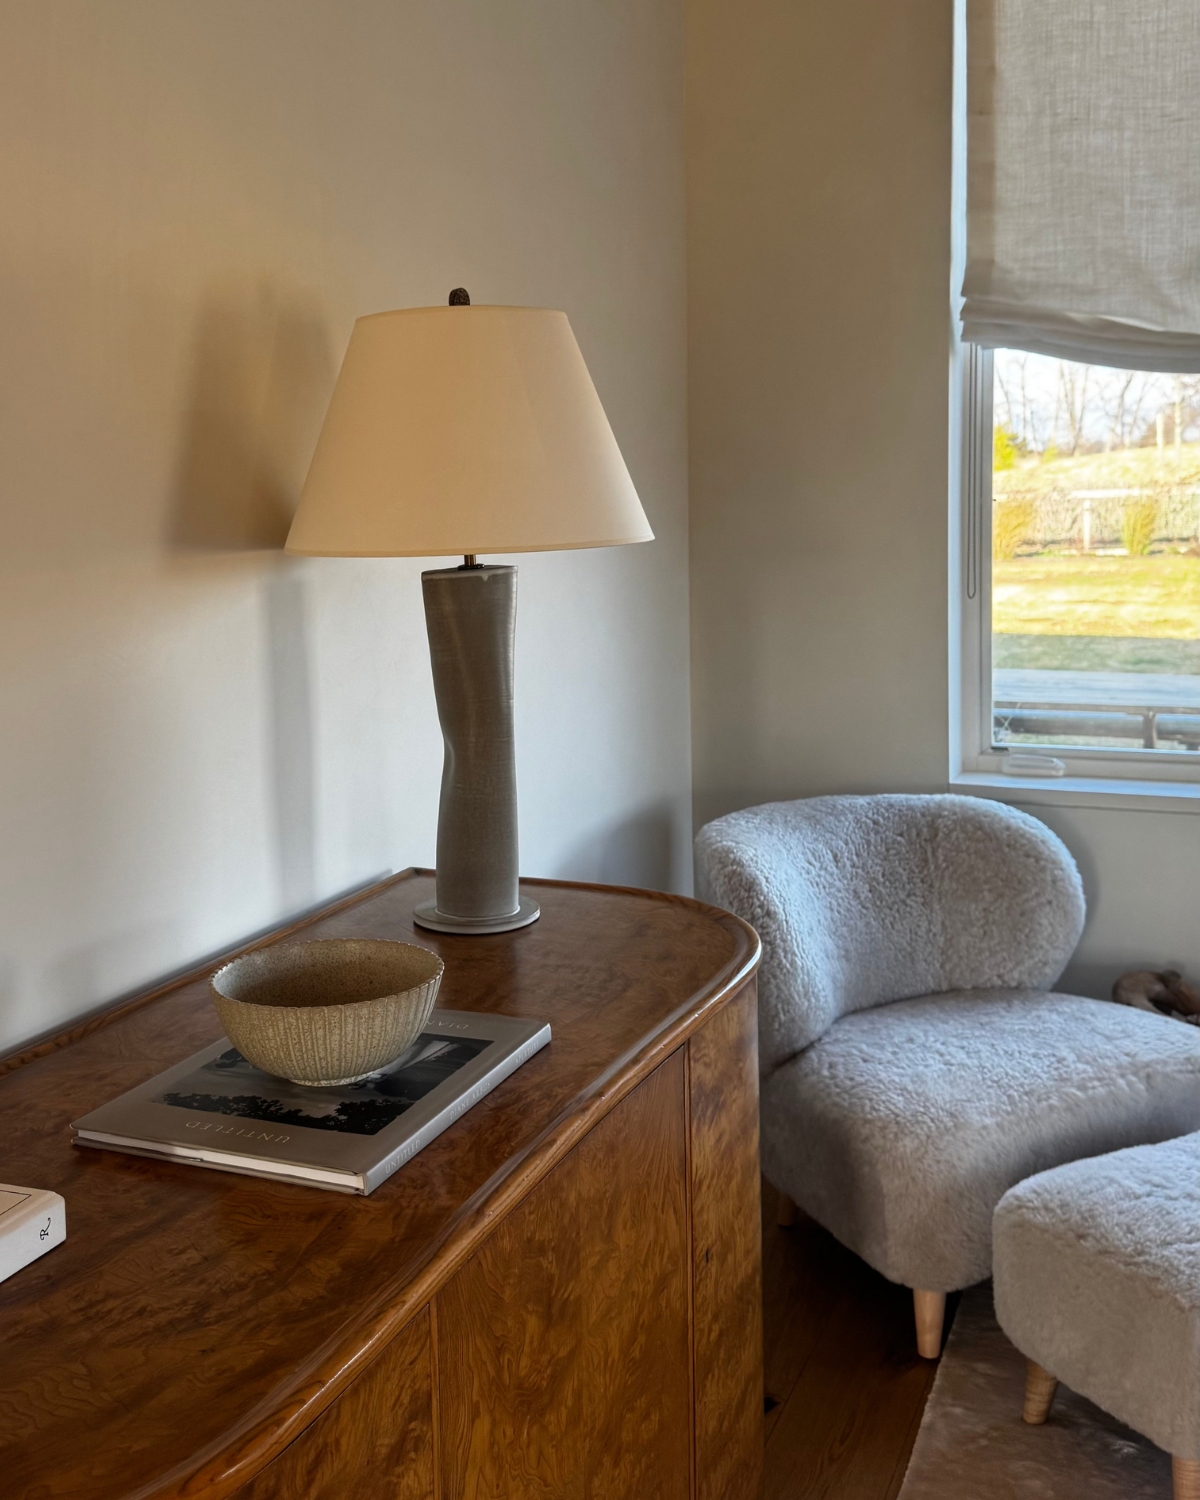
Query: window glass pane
(1095, 556)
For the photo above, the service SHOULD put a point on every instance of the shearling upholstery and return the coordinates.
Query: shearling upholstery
(1098, 1280)
(914, 1065)
(860, 900)
(902, 1127)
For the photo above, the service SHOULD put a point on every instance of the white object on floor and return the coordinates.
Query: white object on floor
(32, 1221)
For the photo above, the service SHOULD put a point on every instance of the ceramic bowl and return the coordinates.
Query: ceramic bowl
(327, 1012)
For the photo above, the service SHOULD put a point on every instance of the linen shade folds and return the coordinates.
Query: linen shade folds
(465, 430)
(1083, 192)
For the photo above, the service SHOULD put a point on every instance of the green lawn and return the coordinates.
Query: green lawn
(1097, 653)
(1129, 598)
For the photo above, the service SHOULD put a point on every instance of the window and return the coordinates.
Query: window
(1077, 190)
(1084, 584)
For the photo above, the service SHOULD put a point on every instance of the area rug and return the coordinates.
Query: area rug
(973, 1445)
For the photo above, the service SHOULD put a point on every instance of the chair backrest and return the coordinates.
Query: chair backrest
(862, 900)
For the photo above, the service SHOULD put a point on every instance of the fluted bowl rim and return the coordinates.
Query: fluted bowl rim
(282, 1022)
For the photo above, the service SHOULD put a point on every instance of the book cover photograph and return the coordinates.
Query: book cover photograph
(229, 1085)
(217, 1110)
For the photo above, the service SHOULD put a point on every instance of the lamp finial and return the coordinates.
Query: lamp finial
(460, 297)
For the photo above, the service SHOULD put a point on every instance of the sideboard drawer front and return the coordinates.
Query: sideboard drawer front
(374, 1443)
(723, 1059)
(563, 1344)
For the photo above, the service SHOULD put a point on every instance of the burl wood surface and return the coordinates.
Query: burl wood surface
(196, 1322)
(374, 1443)
(723, 1059)
(563, 1344)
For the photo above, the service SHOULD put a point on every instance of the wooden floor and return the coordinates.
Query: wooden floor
(845, 1388)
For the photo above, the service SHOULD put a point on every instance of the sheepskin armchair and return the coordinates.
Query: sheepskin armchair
(916, 1063)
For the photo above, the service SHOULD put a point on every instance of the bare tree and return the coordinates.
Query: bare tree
(1017, 410)
(1191, 403)
(1008, 410)
(1122, 395)
(1072, 396)
(1043, 401)
(1177, 414)
(1031, 414)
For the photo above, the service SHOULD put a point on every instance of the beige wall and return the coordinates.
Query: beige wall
(198, 736)
(1141, 873)
(819, 171)
(819, 266)
(198, 199)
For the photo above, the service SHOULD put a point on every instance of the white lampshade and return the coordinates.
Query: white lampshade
(456, 430)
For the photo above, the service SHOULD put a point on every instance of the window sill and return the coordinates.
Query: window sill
(1082, 791)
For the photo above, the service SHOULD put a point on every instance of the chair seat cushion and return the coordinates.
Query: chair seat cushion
(1097, 1269)
(902, 1127)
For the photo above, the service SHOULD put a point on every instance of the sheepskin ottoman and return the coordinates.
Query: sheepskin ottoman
(1097, 1283)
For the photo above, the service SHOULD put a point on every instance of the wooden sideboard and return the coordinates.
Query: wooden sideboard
(560, 1296)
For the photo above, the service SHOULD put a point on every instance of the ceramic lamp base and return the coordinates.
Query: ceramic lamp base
(471, 615)
(427, 915)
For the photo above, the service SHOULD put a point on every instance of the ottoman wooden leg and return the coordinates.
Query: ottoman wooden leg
(785, 1215)
(1040, 1387)
(1186, 1474)
(930, 1311)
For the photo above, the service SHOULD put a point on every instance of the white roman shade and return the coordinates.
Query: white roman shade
(1083, 198)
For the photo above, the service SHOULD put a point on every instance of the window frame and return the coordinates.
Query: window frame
(972, 602)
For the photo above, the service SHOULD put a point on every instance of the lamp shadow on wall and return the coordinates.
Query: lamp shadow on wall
(262, 370)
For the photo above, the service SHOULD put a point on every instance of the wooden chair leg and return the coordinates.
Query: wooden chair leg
(1040, 1387)
(1185, 1474)
(785, 1215)
(930, 1311)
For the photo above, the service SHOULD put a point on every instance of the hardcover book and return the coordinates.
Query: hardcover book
(32, 1221)
(217, 1110)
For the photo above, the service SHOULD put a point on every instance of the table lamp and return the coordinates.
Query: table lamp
(464, 430)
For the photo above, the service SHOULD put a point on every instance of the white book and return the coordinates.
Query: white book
(32, 1221)
(217, 1110)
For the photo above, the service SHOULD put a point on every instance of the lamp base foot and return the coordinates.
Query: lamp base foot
(427, 915)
